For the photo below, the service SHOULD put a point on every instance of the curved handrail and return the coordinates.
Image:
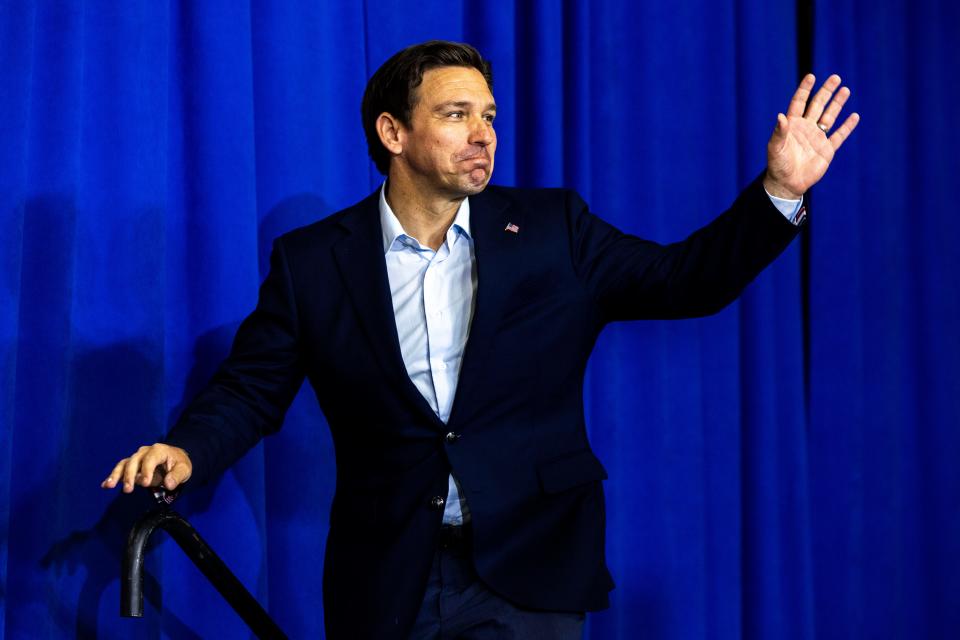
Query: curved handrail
(187, 538)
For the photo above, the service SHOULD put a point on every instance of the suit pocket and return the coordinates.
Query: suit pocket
(569, 471)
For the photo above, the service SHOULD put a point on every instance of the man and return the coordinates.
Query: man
(445, 327)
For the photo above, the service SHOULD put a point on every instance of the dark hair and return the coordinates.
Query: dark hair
(392, 89)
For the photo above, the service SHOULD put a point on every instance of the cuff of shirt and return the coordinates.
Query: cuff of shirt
(792, 210)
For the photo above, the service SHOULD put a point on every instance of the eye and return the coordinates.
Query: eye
(490, 117)
(456, 115)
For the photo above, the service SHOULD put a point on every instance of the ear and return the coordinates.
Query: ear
(392, 133)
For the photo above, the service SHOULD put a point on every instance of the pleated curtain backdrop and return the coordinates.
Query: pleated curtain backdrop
(884, 317)
(784, 469)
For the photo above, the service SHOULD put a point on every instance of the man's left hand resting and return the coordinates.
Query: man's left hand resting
(153, 466)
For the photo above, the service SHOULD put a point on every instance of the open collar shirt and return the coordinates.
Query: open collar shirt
(433, 296)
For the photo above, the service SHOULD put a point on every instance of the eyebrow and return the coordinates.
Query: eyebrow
(461, 104)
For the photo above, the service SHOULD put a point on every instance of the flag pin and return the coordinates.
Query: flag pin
(511, 228)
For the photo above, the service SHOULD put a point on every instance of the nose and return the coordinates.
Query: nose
(482, 133)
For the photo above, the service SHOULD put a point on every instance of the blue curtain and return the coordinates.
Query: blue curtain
(884, 316)
(783, 469)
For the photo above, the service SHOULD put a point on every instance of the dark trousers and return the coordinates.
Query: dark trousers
(457, 605)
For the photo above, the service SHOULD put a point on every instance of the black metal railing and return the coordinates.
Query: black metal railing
(219, 575)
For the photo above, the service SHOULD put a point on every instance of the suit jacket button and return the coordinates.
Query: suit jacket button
(452, 437)
(436, 502)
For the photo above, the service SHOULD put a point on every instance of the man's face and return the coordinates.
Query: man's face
(450, 143)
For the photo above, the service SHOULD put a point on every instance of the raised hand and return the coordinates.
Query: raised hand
(799, 151)
(151, 466)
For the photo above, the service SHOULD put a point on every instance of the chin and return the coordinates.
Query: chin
(473, 186)
(466, 187)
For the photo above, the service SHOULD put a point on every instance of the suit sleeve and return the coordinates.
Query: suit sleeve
(249, 395)
(633, 279)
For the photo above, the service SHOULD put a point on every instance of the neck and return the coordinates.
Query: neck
(424, 214)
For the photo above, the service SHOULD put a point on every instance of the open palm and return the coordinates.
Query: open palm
(799, 151)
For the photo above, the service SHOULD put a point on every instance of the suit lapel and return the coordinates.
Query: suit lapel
(360, 259)
(497, 251)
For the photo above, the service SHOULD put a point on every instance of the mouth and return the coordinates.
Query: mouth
(477, 165)
(480, 157)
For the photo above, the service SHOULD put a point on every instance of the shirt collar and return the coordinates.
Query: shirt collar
(392, 229)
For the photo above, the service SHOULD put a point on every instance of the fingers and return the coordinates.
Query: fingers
(779, 132)
(823, 108)
(829, 116)
(115, 475)
(843, 131)
(132, 470)
(819, 102)
(178, 472)
(150, 467)
(799, 100)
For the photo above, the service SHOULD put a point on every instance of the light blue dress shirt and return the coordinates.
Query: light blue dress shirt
(433, 297)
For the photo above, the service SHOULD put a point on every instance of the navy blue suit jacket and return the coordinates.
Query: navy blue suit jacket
(532, 483)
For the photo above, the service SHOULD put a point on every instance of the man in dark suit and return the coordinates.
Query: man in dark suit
(468, 500)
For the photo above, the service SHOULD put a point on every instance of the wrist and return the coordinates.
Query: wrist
(775, 188)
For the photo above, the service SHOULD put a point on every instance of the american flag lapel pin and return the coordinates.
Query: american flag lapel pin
(512, 228)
